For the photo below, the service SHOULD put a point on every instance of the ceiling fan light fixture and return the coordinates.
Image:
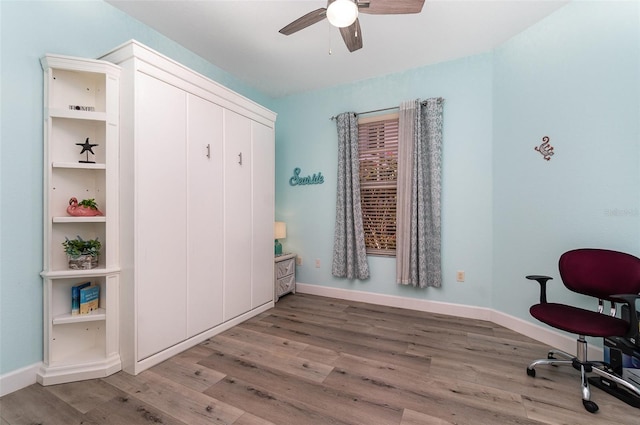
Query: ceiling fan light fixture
(342, 13)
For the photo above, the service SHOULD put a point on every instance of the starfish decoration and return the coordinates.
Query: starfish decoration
(87, 147)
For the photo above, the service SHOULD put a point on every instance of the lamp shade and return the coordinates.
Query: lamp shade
(279, 230)
(342, 13)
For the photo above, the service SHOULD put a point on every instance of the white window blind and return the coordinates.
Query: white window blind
(378, 152)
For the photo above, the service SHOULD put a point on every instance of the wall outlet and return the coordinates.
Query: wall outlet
(460, 276)
(298, 261)
(317, 263)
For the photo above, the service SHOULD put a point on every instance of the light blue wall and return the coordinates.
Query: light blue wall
(575, 77)
(29, 30)
(306, 138)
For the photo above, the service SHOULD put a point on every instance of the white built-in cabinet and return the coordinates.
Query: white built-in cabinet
(80, 103)
(196, 207)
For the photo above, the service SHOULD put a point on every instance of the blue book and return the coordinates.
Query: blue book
(89, 299)
(75, 297)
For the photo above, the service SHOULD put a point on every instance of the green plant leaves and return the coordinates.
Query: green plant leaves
(76, 247)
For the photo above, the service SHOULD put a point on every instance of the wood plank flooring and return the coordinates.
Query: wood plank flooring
(320, 361)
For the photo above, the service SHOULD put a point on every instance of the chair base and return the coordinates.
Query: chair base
(580, 363)
(616, 391)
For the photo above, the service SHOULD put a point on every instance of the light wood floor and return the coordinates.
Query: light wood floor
(314, 360)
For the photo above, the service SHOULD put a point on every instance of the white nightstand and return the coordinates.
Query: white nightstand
(285, 275)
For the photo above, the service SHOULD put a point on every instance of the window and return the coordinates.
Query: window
(378, 152)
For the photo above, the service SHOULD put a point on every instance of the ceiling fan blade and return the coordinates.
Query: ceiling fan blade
(305, 21)
(390, 7)
(352, 36)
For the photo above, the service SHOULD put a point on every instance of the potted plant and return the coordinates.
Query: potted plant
(82, 254)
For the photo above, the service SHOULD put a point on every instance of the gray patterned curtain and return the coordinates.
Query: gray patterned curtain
(349, 251)
(418, 227)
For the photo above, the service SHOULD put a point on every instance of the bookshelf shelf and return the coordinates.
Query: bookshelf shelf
(78, 115)
(78, 166)
(97, 219)
(96, 315)
(72, 360)
(64, 274)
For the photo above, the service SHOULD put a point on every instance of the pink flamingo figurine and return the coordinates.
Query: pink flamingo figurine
(81, 210)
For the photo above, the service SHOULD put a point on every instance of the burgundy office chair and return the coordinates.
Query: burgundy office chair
(607, 275)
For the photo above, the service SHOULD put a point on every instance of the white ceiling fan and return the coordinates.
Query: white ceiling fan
(344, 15)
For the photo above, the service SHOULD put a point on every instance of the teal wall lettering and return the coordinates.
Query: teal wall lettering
(296, 180)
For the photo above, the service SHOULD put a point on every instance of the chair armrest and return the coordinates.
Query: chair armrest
(629, 300)
(542, 280)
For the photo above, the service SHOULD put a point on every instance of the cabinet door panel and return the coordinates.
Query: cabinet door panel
(237, 218)
(160, 209)
(263, 167)
(205, 216)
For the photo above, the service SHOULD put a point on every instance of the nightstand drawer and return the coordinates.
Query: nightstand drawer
(285, 268)
(285, 285)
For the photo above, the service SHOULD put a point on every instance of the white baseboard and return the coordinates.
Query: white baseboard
(539, 333)
(18, 379)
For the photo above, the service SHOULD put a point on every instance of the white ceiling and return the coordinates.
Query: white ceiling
(242, 38)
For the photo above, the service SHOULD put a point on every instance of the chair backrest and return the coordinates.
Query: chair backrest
(599, 272)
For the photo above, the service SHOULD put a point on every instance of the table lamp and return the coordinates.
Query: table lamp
(279, 232)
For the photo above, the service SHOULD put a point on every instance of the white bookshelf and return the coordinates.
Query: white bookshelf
(81, 101)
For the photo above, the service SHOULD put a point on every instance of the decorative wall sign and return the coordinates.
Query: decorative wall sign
(82, 108)
(296, 180)
(545, 149)
(87, 147)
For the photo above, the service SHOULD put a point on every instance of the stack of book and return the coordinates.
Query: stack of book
(85, 298)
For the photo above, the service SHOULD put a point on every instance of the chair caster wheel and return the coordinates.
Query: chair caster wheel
(532, 373)
(590, 406)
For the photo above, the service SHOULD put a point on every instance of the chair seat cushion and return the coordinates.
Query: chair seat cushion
(579, 321)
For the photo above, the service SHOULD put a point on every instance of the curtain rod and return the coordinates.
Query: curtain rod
(424, 102)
